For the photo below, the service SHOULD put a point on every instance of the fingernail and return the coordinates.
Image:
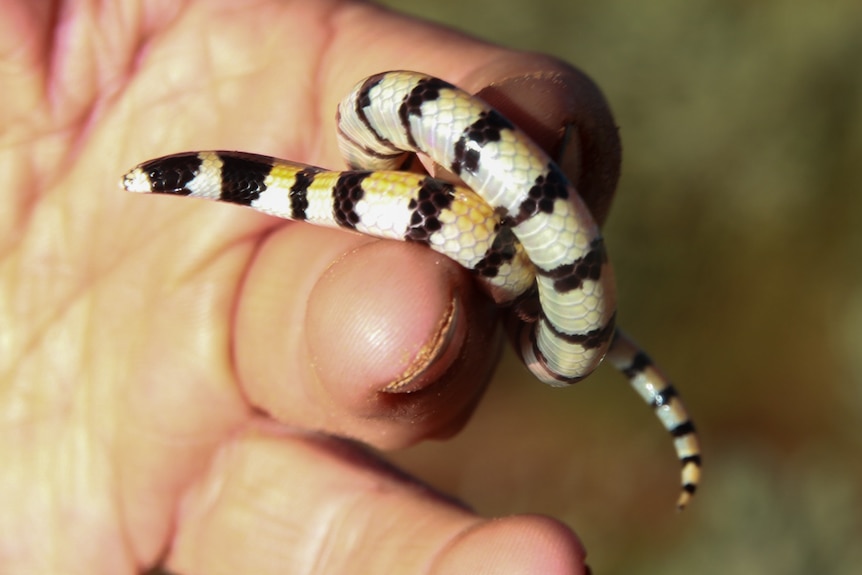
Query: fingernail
(568, 153)
(556, 104)
(436, 355)
(534, 102)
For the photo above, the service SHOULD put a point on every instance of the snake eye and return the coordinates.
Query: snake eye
(161, 180)
(171, 174)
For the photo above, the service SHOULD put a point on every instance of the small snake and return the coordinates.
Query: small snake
(516, 223)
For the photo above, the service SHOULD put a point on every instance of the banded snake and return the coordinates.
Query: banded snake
(517, 223)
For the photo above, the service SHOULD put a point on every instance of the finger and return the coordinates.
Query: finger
(380, 341)
(391, 329)
(23, 29)
(564, 111)
(556, 104)
(23, 47)
(246, 515)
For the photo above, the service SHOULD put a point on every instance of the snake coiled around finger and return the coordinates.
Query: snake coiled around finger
(513, 219)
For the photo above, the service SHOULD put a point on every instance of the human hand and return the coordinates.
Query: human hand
(174, 373)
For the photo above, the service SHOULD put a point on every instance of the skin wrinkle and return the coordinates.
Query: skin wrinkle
(236, 307)
(40, 337)
(50, 49)
(315, 148)
(66, 81)
(450, 544)
(106, 81)
(363, 503)
(334, 263)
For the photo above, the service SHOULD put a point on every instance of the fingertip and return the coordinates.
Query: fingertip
(385, 342)
(355, 515)
(522, 544)
(416, 343)
(566, 114)
(386, 322)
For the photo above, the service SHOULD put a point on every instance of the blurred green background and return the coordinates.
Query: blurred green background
(737, 239)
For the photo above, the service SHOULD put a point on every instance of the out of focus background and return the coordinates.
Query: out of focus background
(737, 239)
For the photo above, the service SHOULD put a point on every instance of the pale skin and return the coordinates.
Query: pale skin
(174, 374)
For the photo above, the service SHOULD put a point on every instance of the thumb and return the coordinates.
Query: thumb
(333, 337)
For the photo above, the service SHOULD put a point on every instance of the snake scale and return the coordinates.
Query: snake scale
(516, 223)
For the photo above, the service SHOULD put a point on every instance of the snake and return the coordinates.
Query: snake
(508, 214)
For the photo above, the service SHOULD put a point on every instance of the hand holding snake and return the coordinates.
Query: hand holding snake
(143, 342)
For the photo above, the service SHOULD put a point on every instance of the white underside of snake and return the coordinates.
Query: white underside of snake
(518, 223)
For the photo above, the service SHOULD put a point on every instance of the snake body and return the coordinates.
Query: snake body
(517, 222)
